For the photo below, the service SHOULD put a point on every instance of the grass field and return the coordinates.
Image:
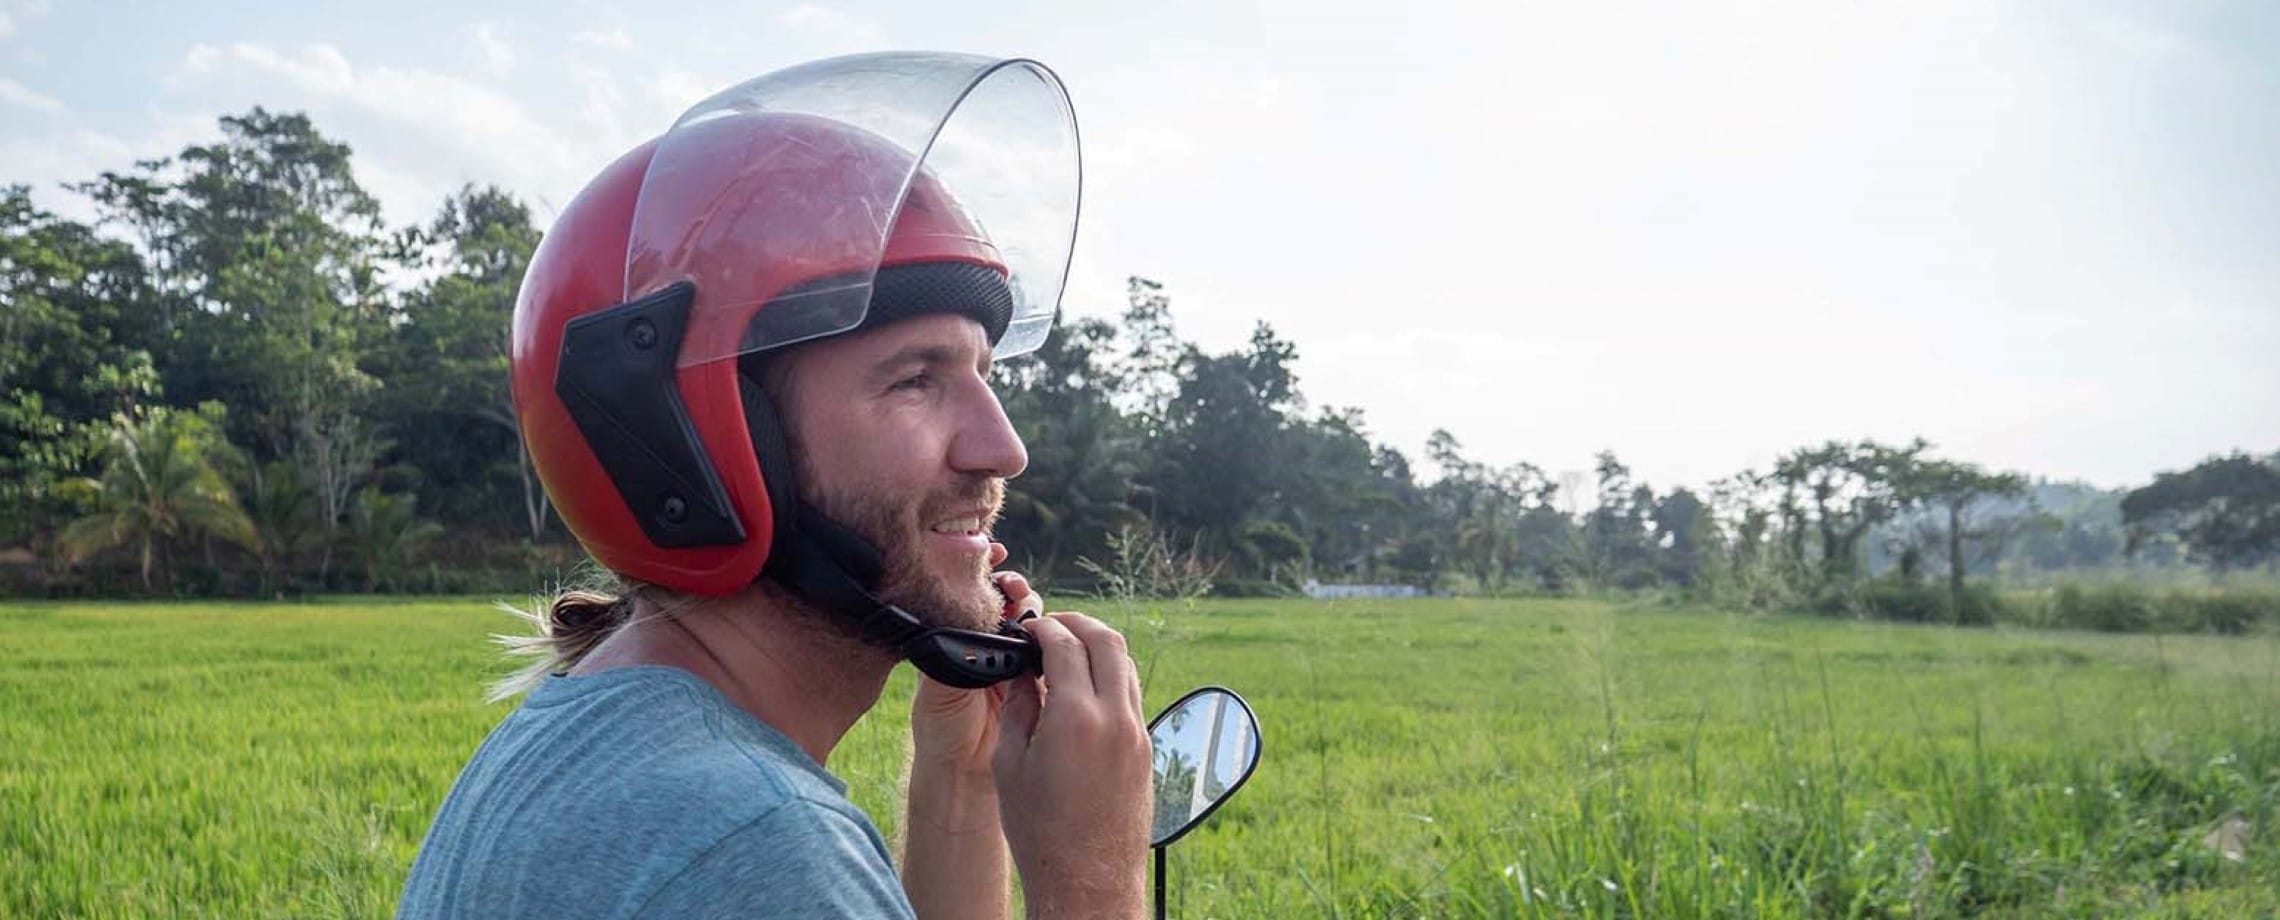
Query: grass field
(1422, 758)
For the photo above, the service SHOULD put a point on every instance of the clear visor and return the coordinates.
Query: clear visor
(778, 199)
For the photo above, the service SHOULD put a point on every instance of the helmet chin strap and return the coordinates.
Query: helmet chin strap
(835, 569)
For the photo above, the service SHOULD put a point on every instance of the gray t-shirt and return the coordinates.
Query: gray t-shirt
(642, 792)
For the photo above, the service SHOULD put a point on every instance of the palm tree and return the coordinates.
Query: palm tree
(159, 484)
(284, 514)
(384, 531)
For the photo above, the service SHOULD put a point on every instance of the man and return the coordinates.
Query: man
(750, 363)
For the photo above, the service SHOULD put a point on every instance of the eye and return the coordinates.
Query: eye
(915, 382)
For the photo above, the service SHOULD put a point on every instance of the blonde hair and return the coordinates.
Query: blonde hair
(566, 629)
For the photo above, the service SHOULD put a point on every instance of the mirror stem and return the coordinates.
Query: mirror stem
(1159, 883)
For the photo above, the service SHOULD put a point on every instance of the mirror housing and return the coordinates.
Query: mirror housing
(1205, 747)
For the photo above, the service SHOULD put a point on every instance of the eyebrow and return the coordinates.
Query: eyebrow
(925, 355)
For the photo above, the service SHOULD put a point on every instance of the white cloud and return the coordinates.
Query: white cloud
(614, 39)
(833, 30)
(319, 68)
(418, 134)
(498, 56)
(47, 161)
(601, 111)
(199, 59)
(1270, 92)
(20, 96)
(30, 9)
(675, 90)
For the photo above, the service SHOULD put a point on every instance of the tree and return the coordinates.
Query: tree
(1496, 519)
(2226, 510)
(1683, 532)
(1147, 375)
(284, 514)
(266, 253)
(1348, 499)
(1083, 452)
(443, 364)
(1758, 570)
(1953, 489)
(1838, 492)
(2078, 526)
(384, 532)
(1223, 449)
(160, 484)
(74, 351)
(1615, 534)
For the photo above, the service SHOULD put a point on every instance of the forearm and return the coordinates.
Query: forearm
(955, 864)
(1067, 885)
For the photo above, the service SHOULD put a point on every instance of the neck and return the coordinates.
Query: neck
(773, 655)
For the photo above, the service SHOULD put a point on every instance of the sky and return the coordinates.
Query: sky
(2044, 236)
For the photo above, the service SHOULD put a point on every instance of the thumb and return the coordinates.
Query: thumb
(934, 696)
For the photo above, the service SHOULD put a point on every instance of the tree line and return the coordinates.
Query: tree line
(238, 380)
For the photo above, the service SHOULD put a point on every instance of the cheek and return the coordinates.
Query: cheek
(884, 453)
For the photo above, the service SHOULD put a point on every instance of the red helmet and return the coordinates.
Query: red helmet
(792, 207)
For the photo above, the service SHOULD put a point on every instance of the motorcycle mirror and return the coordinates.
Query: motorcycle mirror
(1206, 746)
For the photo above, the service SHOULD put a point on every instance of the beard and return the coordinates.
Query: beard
(946, 593)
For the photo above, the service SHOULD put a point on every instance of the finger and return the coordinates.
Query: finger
(1139, 696)
(1013, 585)
(998, 552)
(1067, 666)
(1016, 722)
(1105, 654)
(1021, 601)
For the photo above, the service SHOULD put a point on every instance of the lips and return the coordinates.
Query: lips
(967, 525)
(967, 522)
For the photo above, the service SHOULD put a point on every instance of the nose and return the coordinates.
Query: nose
(985, 443)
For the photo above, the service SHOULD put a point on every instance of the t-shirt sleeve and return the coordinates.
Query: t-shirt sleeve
(801, 859)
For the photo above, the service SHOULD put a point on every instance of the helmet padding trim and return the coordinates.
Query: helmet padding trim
(615, 375)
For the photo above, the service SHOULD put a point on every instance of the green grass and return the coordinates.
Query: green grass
(1422, 758)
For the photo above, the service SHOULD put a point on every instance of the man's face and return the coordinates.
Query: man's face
(898, 436)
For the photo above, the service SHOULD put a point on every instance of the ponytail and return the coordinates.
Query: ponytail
(568, 629)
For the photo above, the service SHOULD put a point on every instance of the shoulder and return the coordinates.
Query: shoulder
(802, 858)
(600, 790)
(686, 739)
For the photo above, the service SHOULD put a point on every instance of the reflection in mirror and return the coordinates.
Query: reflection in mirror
(1205, 746)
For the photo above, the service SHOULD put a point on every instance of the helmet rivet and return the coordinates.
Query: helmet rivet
(675, 509)
(643, 333)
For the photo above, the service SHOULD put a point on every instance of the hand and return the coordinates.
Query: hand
(954, 852)
(1072, 769)
(956, 729)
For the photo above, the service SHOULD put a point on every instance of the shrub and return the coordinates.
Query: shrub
(2229, 611)
(1902, 601)
(1982, 606)
(1249, 587)
(2111, 607)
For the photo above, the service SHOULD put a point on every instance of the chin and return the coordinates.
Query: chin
(972, 605)
(964, 601)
